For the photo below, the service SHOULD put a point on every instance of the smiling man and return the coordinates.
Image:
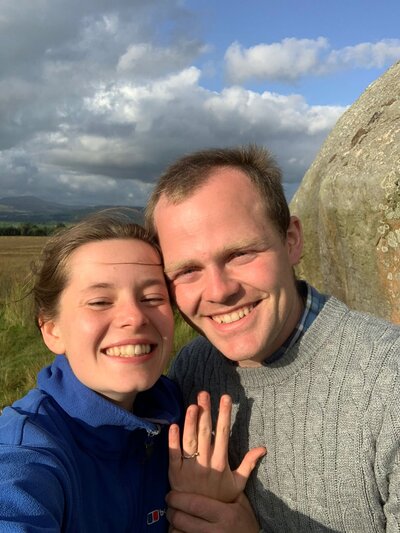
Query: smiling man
(315, 382)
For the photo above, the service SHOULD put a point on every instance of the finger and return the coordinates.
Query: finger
(186, 523)
(220, 453)
(189, 439)
(173, 530)
(195, 505)
(174, 447)
(247, 465)
(193, 513)
(204, 428)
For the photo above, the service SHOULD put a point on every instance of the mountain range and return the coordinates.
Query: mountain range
(35, 210)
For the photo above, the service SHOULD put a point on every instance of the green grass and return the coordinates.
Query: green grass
(22, 351)
(23, 354)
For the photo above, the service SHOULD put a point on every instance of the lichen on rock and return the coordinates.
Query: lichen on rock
(349, 203)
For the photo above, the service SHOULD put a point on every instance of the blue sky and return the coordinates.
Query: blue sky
(97, 97)
(342, 23)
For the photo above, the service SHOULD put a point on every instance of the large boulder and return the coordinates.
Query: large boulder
(349, 204)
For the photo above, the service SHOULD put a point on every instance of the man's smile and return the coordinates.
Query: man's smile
(234, 316)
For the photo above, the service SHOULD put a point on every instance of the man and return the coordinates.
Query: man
(315, 382)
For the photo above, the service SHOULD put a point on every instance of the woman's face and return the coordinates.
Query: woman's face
(114, 320)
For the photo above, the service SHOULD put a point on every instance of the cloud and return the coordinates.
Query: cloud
(363, 55)
(291, 59)
(146, 60)
(284, 61)
(174, 115)
(126, 133)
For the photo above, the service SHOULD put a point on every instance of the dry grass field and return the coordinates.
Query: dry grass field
(16, 255)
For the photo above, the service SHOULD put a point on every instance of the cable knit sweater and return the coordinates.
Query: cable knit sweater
(329, 414)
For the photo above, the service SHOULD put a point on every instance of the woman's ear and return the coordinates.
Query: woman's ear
(294, 240)
(52, 336)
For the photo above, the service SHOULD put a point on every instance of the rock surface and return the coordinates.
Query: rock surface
(349, 204)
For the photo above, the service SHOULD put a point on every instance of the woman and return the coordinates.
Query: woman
(87, 450)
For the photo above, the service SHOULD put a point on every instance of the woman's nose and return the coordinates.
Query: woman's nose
(131, 314)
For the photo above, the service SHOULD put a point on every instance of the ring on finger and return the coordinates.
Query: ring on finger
(191, 456)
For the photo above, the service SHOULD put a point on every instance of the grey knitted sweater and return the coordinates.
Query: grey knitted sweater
(329, 414)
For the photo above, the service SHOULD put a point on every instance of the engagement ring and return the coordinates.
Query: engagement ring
(192, 456)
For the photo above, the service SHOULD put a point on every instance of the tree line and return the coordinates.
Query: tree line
(30, 230)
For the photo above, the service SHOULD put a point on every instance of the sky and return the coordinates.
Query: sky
(98, 97)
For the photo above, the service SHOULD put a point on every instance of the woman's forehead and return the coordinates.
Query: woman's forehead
(116, 252)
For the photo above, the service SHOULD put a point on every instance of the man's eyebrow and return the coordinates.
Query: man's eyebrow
(222, 253)
(180, 265)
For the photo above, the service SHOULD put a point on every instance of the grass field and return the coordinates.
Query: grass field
(16, 254)
(22, 352)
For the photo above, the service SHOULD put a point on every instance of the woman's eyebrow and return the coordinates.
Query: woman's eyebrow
(143, 283)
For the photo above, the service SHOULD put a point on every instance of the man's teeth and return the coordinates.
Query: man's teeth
(233, 317)
(129, 350)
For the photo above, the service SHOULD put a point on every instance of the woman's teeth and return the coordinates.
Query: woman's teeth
(129, 350)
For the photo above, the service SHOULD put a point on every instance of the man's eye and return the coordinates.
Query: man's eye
(154, 300)
(184, 276)
(242, 256)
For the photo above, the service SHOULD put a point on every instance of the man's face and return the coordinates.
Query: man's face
(230, 269)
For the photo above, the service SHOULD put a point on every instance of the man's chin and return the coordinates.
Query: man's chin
(243, 357)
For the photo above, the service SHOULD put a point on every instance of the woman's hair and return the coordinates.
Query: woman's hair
(51, 270)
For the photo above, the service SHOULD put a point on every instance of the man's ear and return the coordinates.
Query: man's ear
(294, 240)
(52, 337)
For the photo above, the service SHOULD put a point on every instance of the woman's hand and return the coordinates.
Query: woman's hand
(201, 466)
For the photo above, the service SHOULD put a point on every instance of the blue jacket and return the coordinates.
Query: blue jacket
(73, 461)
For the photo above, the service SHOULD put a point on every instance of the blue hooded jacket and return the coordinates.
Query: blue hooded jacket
(72, 461)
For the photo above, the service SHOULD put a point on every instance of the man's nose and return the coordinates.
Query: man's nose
(219, 285)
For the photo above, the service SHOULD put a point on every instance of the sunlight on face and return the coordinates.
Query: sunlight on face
(230, 270)
(114, 322)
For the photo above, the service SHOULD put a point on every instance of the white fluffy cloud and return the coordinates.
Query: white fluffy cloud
(292, 59)
(284, 61)
(364, 55)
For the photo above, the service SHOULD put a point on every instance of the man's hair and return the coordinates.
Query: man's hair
(50, 272)
(184, 177)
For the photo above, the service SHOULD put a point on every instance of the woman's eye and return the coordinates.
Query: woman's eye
(99, 303)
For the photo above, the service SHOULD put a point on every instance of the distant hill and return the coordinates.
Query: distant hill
(36, 210)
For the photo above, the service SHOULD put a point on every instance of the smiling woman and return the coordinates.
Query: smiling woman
(97, 423)
(113, 319)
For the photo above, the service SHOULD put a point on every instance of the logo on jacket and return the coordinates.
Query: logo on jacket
(154, 516)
